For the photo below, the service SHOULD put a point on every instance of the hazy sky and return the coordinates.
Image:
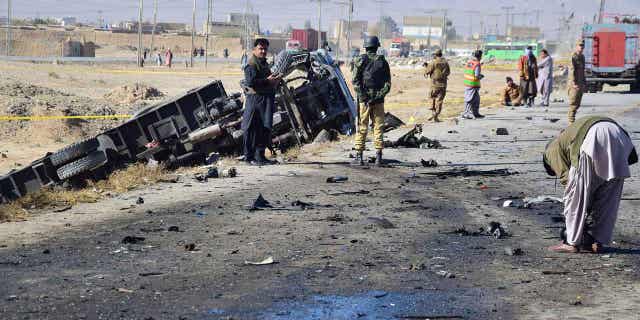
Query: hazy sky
(280, 12)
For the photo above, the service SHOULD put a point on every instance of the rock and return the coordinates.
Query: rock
(429, 164)
(129, 94)
(140, 200)
(502, 132)
(384, 223)
(174, 229)
(132, 240)
(513, 251)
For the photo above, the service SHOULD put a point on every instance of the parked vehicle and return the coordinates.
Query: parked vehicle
(508, 51)
(400, 47)
(185, 130)
(612, 54)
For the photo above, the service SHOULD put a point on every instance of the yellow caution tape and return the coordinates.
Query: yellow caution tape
(41, 118)
(140, 71)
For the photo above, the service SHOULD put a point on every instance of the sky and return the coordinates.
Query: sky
(279, 13)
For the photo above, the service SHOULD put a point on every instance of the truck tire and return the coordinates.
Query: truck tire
(74, 151)
(82, 165)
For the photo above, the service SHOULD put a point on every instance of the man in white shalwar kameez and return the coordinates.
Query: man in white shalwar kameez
(592, 158)
(545, 77)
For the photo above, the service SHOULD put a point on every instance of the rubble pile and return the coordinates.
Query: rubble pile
(21, 99)
(132, 93)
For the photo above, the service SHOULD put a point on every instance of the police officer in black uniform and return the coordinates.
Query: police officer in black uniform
(260, 88)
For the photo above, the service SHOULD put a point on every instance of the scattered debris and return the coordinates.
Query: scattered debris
(465, 172)
(325, 136)
(123, 290)
(513, 251)
(63, 209)
(529, 202)
(384, 223)
(446, 274)
(132, 240)
(259, 204)
(502, 132)
(336, 218)
(410, 140)
(452, 132)
(140, 200)
(428, 163)
(347, 193)
(268, 260)
(173, 229)
(337, 179)
(391, 122)
(552, 120)
(495, 229)
(148, 274)
(46, 251)
(212, 158)
(190, 247)
(379, 294)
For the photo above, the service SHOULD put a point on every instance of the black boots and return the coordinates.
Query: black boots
(379, 158)
(359, 158)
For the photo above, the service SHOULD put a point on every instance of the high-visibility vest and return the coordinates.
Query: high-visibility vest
(470, 79)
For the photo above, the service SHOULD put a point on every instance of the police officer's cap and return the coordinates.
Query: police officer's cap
(372, 42)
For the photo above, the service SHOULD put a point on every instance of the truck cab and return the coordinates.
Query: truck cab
(612, 55)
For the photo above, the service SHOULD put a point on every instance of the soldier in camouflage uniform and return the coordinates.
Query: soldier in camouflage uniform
(439, 72)
(372, 82)
(577, 82)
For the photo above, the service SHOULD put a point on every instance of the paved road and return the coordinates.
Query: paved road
(334, 261)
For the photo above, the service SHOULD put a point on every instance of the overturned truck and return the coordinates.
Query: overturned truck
(313, 96)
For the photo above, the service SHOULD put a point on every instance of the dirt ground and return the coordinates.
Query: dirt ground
(401, 242)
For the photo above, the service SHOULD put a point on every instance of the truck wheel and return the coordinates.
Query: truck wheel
(82, 165)
(74, 151)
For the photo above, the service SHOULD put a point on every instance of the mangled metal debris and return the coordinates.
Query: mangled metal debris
(411, 140)
(201, 125)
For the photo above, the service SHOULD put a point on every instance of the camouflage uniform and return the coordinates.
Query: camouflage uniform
(577, 84)
(439, 71)
(371, 101)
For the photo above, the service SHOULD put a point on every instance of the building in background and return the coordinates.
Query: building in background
(224, 29)
(251, 19)
(423, 30)
(524, 33)
(68, 21)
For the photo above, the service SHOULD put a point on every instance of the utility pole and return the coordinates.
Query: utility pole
(193, 32)
(319, 22)
(8, 27)
(349, 29)
(601, 11)
(155, 21)
(445, 37)
(140, 62)
(381, 31)
(471, 13)
(508, 13)
(206, 41)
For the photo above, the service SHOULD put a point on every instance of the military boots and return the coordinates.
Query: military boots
(379, 158)
(359, 158)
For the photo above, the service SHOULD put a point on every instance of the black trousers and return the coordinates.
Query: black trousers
(256, 139)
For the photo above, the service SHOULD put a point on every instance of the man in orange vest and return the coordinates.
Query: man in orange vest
(472, 77)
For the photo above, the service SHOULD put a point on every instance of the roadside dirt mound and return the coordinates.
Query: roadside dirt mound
(19, 99)
(128, 94)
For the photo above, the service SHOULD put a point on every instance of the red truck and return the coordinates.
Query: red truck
(308, 38)
(400, 47)
(612, 54)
